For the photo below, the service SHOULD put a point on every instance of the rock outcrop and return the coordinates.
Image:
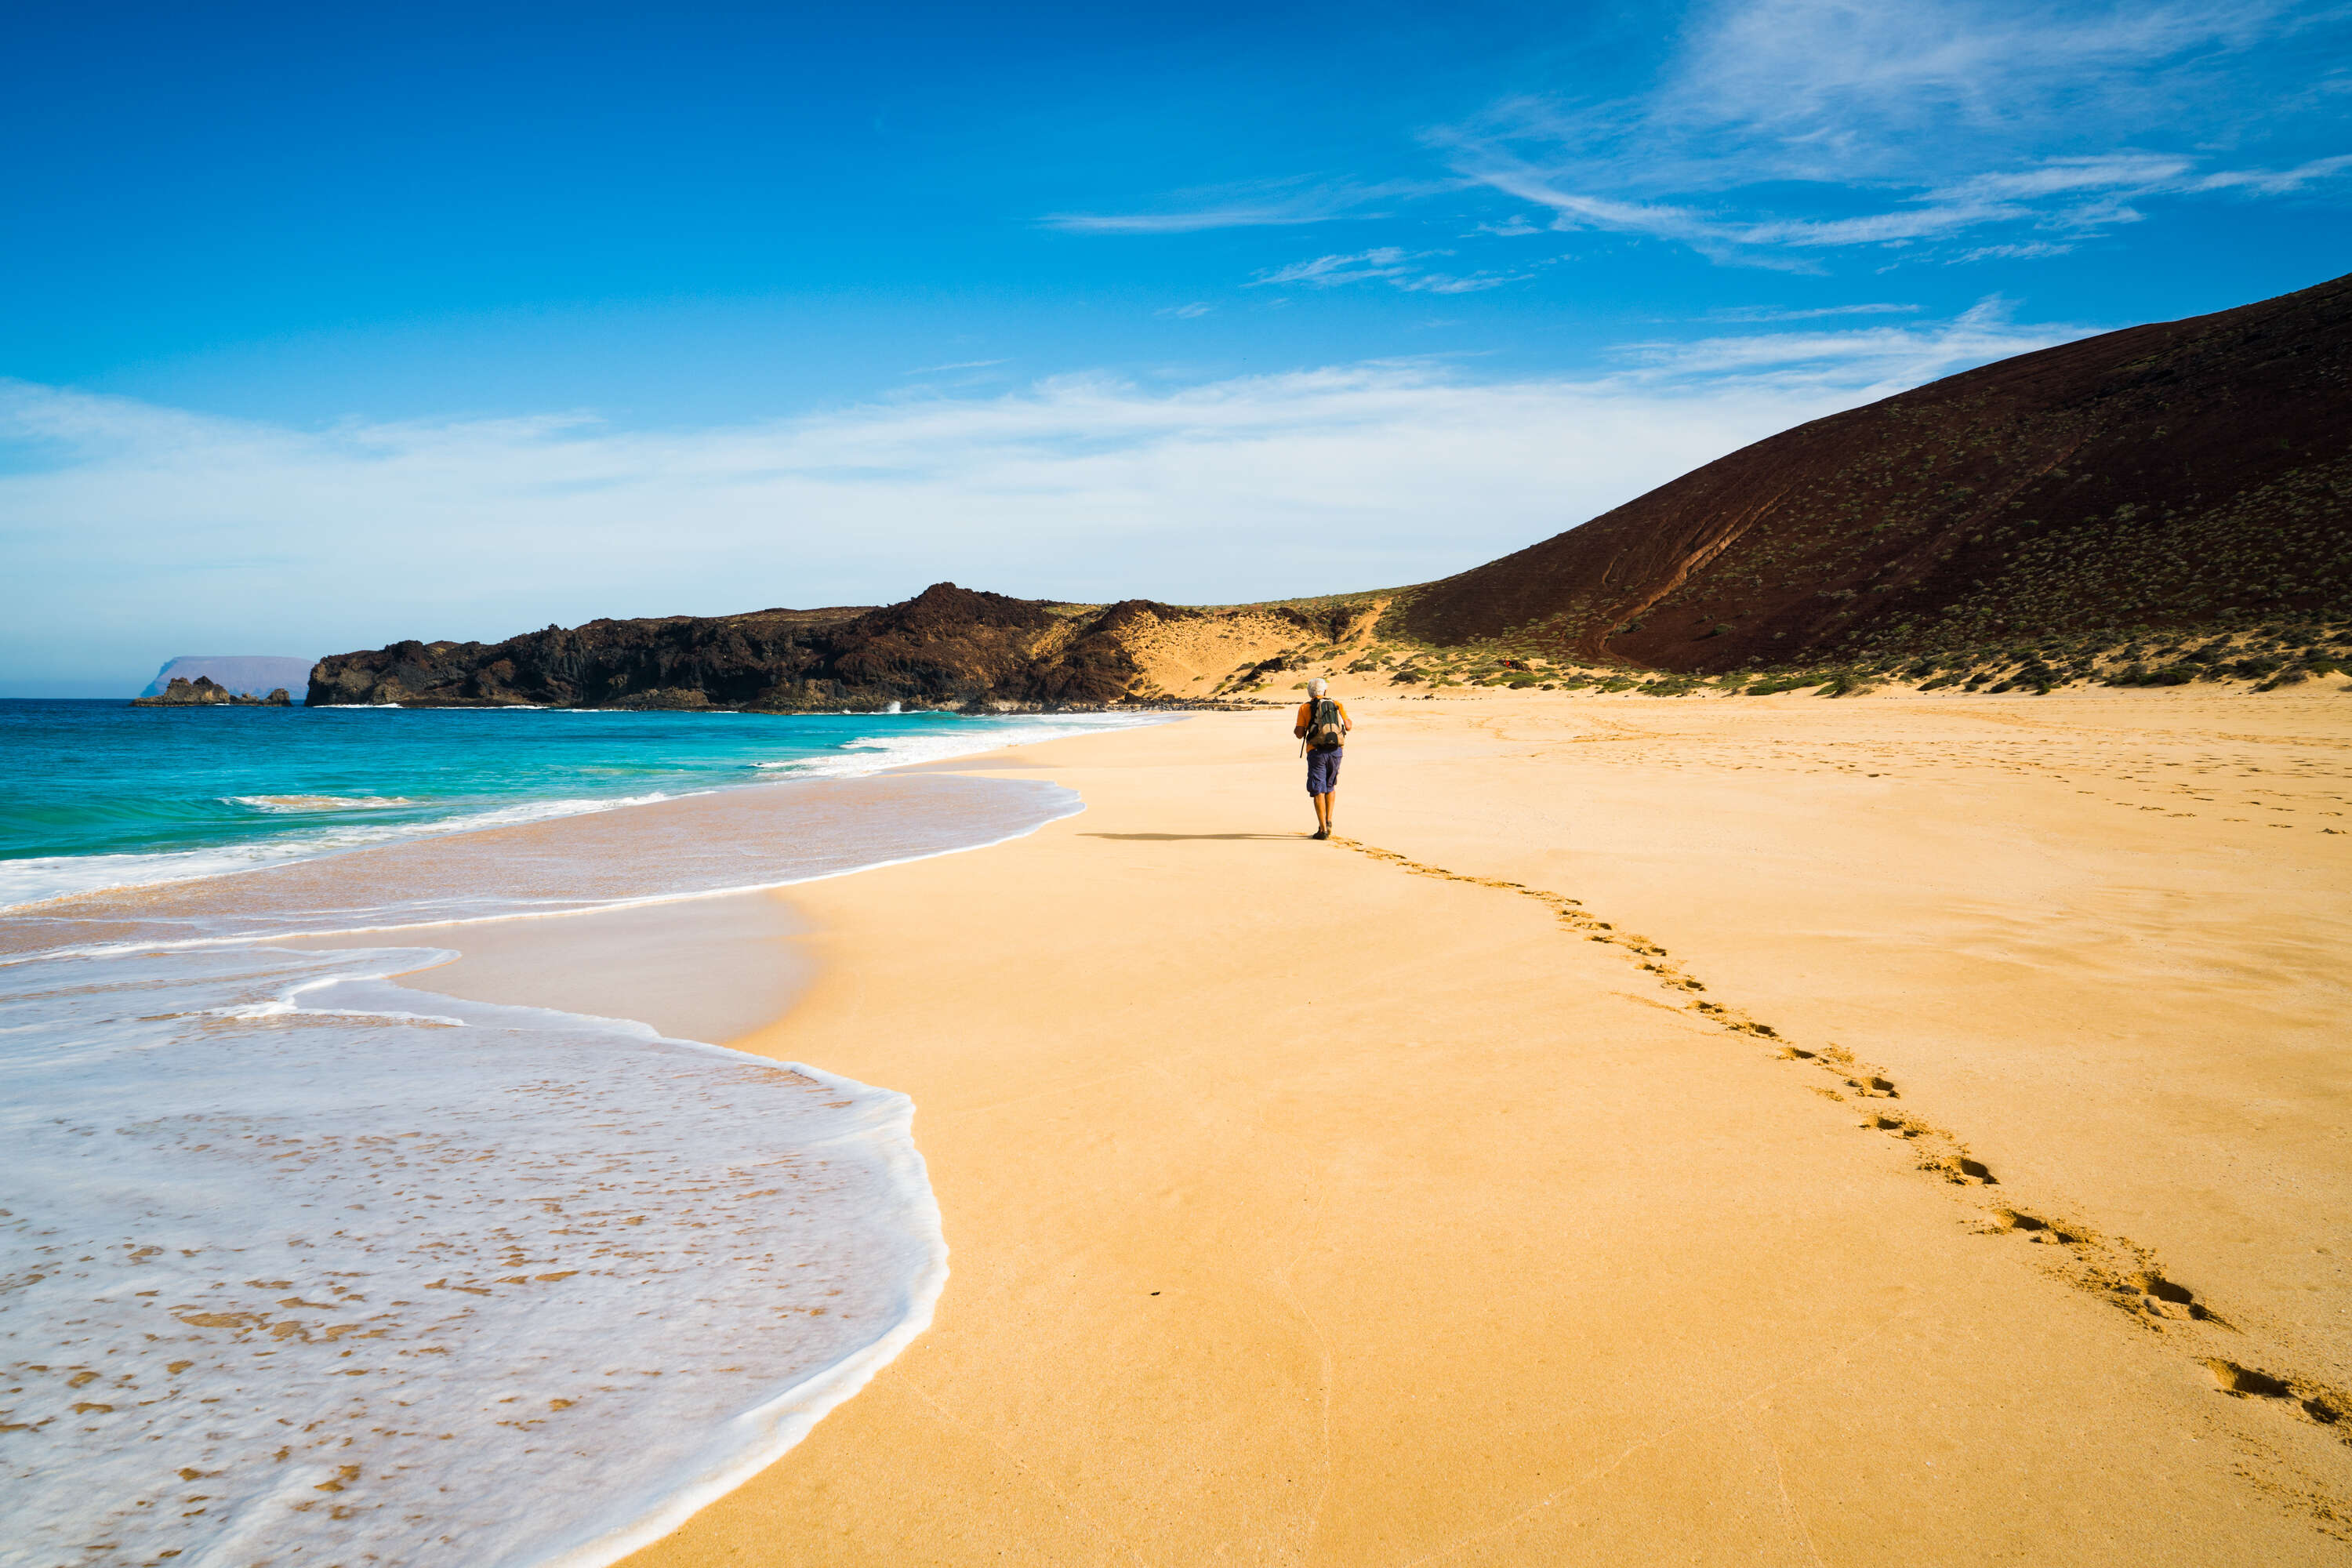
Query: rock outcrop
(246, 673)
(947, 647)
(204, 692)
(2188, 473)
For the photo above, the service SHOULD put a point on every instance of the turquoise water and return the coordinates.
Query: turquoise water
(547, 1281)
(98, 793)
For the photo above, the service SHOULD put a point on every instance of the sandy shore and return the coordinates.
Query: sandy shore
(1402, 1202)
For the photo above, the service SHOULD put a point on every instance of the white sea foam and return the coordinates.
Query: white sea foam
(308, 1268)
(37, 879)
(316, 803)
(300, 1265)
(872, 753)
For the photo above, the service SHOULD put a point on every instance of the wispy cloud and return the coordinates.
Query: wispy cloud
(2077, 196)
(1763, 313)
(1381, 263)
(1888, 356)
(1268, 204)
(2029, 250)
(958, 364)
(1191, 312)
(1185, 222)
(1389, 264)
(1837, 89)
(227, 531)
(2275, 181)
(1905, 122)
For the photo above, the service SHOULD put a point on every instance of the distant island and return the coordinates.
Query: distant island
(2167, 503)
(201, 692)
(246, 674)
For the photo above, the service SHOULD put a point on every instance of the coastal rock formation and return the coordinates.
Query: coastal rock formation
(948, 647)
(2186, 473)
(204, 692)
(250, 674)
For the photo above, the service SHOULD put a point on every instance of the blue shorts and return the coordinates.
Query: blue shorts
(1323, 770)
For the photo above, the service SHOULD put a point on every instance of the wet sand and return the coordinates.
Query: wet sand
(1454, 1193)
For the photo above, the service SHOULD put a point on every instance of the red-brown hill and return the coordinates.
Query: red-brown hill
(2185, 473)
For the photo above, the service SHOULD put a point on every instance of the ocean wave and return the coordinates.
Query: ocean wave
(37, 879)
(874, 753)
(316, 803)
(549, 1282)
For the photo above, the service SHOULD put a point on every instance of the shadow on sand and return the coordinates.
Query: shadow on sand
(1185, 837)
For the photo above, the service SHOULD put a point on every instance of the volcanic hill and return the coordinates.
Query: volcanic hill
(2189, 476)
(2166, 477)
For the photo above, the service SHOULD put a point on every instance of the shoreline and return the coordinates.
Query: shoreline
(1498, 1244)
(805, 1165)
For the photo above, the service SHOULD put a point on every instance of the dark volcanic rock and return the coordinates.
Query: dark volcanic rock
(948, 647)
(204, 692)
(2188, 473)
(243, 673)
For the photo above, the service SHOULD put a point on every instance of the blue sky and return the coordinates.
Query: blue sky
(328, 329)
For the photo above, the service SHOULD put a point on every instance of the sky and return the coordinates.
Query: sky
(332, 326)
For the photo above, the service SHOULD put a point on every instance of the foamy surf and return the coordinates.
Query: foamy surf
(401, 813)
(37, 879)
(310, 1268)
(874, 753)
(298, 1265)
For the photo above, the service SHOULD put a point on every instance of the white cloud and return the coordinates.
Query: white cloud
(1939, 117)
(1389, 264)
(1184, 222)
(1837, 88)
(2274, 182)
(1382, 262)
(134, 532)
(1763, 313)
(1264, 204)
(1191, 312)
(1891, 356)
(1469, 283)
(2029, 251)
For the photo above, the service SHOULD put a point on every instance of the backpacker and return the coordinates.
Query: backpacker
(1323, 731)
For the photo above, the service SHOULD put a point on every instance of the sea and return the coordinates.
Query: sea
(300, 1265)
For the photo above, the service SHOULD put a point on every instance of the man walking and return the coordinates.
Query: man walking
(1323, 725)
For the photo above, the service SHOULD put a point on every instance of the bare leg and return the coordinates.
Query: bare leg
(1322, 813)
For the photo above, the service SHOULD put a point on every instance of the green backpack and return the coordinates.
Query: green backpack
(1323, 731)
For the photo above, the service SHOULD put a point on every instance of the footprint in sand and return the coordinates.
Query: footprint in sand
(2326, 1407)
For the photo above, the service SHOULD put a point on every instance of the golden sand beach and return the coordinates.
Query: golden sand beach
(1740, 1130)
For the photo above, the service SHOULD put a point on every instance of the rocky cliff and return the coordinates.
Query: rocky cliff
(948, 646)
(2188, 473)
